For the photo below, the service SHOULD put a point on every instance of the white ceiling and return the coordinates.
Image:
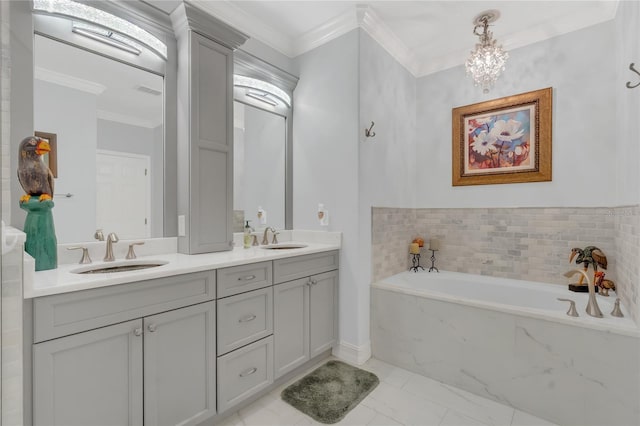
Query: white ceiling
(425, 36)
(111, 81)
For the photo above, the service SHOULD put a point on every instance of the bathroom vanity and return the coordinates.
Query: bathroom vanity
(215, 331)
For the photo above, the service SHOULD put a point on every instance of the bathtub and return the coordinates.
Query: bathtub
(511, 341)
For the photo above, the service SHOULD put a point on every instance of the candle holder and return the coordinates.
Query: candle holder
(433, 261)
(415, 262)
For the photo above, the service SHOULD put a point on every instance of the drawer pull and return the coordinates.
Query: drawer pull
(248, 372)
(247, 278)
(247, 318)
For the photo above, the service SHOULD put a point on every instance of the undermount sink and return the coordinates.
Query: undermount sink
(126, 266)
(284, 246)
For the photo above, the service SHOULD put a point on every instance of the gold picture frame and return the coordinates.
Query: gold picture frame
(505, 140)
(51, 158)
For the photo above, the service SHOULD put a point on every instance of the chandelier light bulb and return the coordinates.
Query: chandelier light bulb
(487, 61)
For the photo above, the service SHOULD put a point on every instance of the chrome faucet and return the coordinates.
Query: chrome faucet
(111, 238)
(265, 240)
(592, 305)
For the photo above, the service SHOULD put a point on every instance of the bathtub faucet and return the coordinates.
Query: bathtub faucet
(592, 305)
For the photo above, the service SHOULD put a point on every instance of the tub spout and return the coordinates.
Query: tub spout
(592, 305)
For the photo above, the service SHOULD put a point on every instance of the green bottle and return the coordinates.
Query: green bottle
(247, 235)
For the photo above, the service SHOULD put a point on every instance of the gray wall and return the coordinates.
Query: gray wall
(580, 68)
(270, 55)
(627, 43)
(325, 158)
(71, 115)
(114, 136)
(387, 167)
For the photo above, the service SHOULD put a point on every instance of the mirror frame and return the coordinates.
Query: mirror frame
(247, 65)
(158, 24)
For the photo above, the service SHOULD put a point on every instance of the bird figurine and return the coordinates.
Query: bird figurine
(604, 285)
(590, 255)
(34, 175)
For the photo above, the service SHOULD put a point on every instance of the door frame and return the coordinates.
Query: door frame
(147, 158)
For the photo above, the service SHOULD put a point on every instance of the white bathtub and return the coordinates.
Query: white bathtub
(511, 341)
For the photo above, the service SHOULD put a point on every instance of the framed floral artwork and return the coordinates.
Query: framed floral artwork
(50, 158)
(506, 140)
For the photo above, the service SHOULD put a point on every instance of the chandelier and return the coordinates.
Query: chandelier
(487, 61)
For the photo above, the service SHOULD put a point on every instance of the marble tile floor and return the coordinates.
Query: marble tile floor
(401, 398)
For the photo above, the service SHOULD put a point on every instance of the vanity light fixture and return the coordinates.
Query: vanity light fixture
(262, 86)
(106, 36)
(262, 97)
(488, 60)
(72, 9)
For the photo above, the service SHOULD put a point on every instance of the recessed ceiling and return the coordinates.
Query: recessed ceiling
(425, 36)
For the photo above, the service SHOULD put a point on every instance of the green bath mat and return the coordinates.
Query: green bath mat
(329, 392)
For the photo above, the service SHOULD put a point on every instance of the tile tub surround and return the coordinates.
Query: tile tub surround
(566, 374)
(627, 253)
(522, 243)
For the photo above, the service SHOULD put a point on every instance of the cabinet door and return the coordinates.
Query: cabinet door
(90, 378)
(211, 146)
(291, 325)
(179, 366)
(322, 312)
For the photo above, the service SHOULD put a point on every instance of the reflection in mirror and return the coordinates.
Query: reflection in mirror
(108, 118)
(259, 154)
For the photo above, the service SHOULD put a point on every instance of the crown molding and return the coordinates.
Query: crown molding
(371, 23)
(127, 119)
(251, 66)
(326, 32)
(187, 16)
(65, 80)
(233, 15)
(363, 16)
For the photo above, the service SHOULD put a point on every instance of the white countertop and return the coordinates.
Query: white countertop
(62, 280)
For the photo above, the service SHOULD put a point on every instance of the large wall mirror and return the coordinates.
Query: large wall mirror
(105, 100)
(262, 144)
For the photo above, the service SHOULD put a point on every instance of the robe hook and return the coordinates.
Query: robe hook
(368, 133)
(632, 68)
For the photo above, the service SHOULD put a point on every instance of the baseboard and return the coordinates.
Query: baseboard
(351, 353)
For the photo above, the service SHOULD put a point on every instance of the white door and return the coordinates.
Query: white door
(123, 200)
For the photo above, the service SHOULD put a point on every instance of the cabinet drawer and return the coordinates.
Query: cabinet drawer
(63, 314)
(302, 266)
(244, 372)
(243, 278)
(244, 318)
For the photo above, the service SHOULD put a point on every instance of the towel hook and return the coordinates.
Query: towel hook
(632, 68)
(368, 133)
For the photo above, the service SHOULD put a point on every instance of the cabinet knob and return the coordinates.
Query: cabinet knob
(248, 372)
(151, 327)
(137, 332)
(314, 282)
(247, 318)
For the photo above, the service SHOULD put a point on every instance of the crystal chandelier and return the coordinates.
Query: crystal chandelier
(487, 61)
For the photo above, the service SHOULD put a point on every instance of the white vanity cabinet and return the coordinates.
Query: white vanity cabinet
(305, 308)
(148, 365)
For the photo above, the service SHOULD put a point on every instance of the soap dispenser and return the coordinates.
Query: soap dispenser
(247, 235)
